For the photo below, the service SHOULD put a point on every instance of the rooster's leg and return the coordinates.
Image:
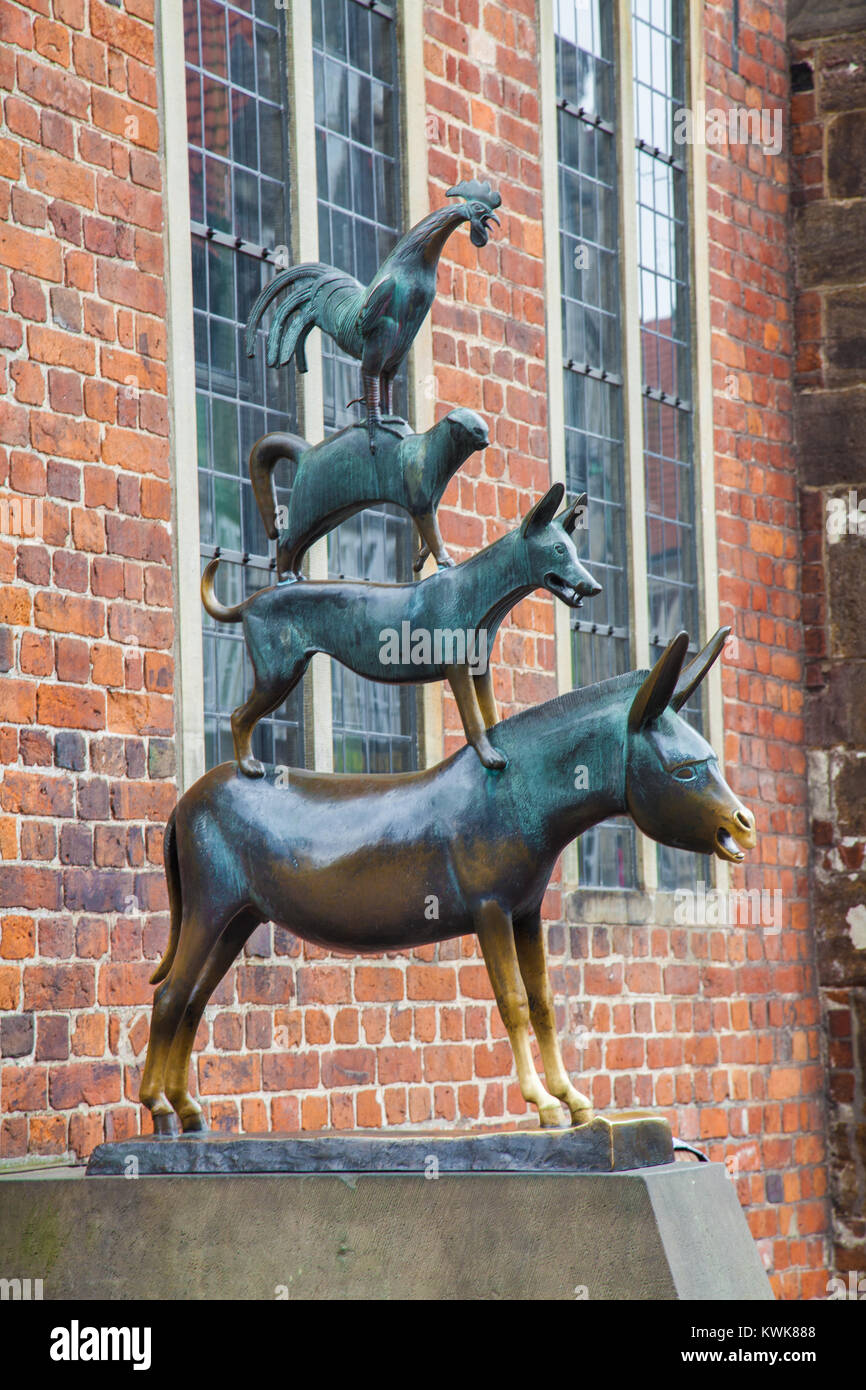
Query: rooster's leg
(386, 382)
(394, 424)
(371, 401)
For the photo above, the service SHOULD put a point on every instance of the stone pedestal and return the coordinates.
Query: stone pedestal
(669, 1231)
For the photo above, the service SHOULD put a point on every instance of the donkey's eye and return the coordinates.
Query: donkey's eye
(560, 549)
(685, 774)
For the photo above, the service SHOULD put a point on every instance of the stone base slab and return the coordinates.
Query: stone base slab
(674, 1231)
(604, 1145)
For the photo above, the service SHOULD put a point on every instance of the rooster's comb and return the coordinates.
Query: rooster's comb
(473, 191)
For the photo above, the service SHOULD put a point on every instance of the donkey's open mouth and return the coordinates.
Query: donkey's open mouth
(728, 844)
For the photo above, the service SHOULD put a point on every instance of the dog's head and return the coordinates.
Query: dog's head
(551, 556)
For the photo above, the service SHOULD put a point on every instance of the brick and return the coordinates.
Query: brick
(16, 1035)
(83, 1083)
(52, 41)
(59, 986)
(60, 349)
(121, 31)
(35, 793)
(16, 28)
(48, 87)
(227, 1075)
(66, 614)
(121, 284)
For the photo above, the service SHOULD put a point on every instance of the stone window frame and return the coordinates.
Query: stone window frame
(603, 904)
(189, 675)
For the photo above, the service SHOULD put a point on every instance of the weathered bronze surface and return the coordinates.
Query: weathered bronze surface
(376, 324)
(340, 476)
(285, 624)
(604, 1145)
(380, 863)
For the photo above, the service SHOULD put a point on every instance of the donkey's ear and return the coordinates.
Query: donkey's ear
(655, 694)
(544, 511)
(693, 674)
(570, 515)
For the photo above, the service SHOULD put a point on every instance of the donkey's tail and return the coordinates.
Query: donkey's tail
(264, 456)
(212, 604)
(172, 878)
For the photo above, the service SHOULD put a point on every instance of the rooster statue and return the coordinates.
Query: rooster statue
(376, 324)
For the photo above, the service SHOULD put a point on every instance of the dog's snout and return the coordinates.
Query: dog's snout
(591, 589)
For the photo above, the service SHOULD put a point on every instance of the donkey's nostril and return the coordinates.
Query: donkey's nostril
(745, 819)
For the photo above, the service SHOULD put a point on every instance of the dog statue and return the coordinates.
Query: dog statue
(440, 628)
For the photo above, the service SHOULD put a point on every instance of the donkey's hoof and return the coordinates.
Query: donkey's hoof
(164, 1124)
(251, 767)
(193, 1124)
(550, 1116)
(582, 1116)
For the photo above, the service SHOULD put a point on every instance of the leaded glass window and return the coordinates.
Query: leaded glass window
(358, 170)
(665, 316)
(239, 205)
(593, 385)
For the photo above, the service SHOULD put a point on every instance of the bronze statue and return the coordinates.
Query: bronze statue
(377, 325)
(340, 476)
(440, 628)
(353, 862)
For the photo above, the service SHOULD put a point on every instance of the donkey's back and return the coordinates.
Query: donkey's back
(353, 862)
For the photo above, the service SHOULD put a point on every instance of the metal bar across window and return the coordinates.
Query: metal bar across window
(278, 259)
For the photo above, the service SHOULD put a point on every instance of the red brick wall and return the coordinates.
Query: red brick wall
(770, 1077)
(86, 717)
(718, 1028)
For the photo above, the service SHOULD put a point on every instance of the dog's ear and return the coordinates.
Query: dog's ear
(574, 513)
(543, 512)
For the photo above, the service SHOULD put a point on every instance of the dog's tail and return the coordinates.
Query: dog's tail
(264, 456)
(172, 878)
(212, 604)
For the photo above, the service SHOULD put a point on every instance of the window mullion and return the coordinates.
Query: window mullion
(633, 378)
(553, 291)
(702, 396)
(422, 392)
(305, 247)
(189, 686)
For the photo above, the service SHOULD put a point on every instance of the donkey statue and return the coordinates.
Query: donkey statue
(348, 862)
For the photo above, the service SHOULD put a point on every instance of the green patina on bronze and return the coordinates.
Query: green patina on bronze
(340, 476)
(376, 324)
(284, 625)
(383, 863)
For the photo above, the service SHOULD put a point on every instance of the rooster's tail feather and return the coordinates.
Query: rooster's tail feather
(286, 330)
(308, 270)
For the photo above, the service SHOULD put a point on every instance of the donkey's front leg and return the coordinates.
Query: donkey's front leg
(532, 956)
(463, 685)
(496, 934)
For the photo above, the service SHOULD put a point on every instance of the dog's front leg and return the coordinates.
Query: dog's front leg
(463, 686)
(486, 698)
